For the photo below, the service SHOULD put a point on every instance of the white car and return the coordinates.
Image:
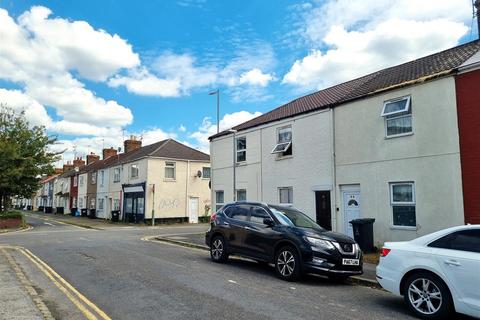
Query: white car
(437, 274)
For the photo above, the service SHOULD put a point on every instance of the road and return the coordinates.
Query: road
(129, 278)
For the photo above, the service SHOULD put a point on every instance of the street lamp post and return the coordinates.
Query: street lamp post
(234, 164)
(217, 93)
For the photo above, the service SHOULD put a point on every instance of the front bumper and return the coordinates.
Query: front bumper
(328, 268)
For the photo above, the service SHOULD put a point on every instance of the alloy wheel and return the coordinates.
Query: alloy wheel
(425, 296)
(286, 263)
(217, 249)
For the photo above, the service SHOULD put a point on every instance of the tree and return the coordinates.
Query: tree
(24, 155)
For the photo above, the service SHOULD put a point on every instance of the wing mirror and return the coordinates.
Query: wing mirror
(269, 222)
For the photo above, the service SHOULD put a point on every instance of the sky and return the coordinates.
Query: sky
(96, 72)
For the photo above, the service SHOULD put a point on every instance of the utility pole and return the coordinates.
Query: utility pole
(476, 4)
(217, 93)
(153, 205)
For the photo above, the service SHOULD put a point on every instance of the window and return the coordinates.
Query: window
(285, 195)
(134, 171)
(100, 203)
(241, 195)
(94, 177)
(206, 171)
(74, 181)
(92, 203)
(238, 212)
(116, 175)
(81, 181)
(258, 214)
(170, 170)
(80, 202)
(116, 204)
(102, 177)
(465, 240)
(402, 197)
(241, 149)
(398, 117)
(284, 142)
(219, 200)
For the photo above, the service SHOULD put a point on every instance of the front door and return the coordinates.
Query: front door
(193, 210)
(134, 207)
(351, 208)
(323, 209)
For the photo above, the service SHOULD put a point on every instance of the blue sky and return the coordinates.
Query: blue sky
(88, 69)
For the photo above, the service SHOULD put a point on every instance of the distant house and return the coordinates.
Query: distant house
(384, 146)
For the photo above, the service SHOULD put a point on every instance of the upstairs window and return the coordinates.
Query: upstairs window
(206, 172)
(134, 171)
(241, 150)
(116, 175)
(81, 181)
(94, 177)
(284, 142)
(241, 195)
(102, 177)
(170, 170)
(398, 117)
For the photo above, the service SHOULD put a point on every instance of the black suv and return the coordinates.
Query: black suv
(284, 236)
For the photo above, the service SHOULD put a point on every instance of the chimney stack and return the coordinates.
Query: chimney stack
(78, 162)
(68, 166)
(131, 144)
(92, 157)
(477, 14)
(107, 153)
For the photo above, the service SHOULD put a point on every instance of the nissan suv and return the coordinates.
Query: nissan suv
(283, 236)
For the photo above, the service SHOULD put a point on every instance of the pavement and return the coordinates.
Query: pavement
(120, 272)
(198, 240)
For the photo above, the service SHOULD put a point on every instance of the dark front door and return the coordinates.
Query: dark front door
(323, 209)
(134, 207)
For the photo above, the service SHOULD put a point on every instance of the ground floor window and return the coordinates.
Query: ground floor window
(285, 195)
(92, 203)
(219, 199)
(241, 195)
(80, 202)
(402, 197)
(116, 204)
(100, 204)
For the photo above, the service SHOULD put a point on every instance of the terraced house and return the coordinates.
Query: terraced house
(399, 145)
(165, 180)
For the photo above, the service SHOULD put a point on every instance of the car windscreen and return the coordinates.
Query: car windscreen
(294, 218)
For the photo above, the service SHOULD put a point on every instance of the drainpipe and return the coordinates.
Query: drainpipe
(187, 205)
(334, 174)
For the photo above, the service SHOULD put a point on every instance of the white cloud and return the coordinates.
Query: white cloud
(256, 77)
(208, 128)
(40, 54)
(182, 128)
(174, 75)
(353, 38)
(35, 113)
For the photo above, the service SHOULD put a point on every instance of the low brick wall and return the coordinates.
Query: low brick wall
(10, 223)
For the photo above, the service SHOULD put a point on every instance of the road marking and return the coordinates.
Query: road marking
(48, 223)
(233, 281)
(56, 221)
(63, 285)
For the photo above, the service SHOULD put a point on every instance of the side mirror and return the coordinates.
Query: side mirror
(269, 222)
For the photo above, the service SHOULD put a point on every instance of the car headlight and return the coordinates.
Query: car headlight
(319, 243)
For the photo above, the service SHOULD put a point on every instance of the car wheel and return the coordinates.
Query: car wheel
(428, 296)
(287, 264)
(218, 252)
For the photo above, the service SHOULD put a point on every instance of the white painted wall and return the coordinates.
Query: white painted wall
(308, 169)
(430, 157)
(82, 191)
(102, 193)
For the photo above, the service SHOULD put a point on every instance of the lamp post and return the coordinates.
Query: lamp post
(234, 164)
(217, 93)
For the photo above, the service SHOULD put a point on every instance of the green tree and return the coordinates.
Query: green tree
(24, 156)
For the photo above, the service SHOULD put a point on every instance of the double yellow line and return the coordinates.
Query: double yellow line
(88, 308)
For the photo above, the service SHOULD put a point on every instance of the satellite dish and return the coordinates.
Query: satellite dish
(199, 173)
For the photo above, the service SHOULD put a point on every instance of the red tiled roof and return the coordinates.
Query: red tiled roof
(435, 65)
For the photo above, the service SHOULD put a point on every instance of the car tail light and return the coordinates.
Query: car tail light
(213, 217)
(384, 252)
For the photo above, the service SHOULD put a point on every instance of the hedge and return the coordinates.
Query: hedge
(11, 215)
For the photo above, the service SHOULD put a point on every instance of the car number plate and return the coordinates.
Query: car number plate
(351, 262)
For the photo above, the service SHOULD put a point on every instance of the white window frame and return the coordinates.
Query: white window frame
(240, 190)
(102, 177)
(116, 177)
(116, 204)
(218, 205)
(287, 144)
(100, 204)
(94, 177)
(279, 196)
(237, 151)
(81, 181)
(170, 165)
(75, 181)
(203, 171)
(403, 203)
(386, 103)
(132, 167)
